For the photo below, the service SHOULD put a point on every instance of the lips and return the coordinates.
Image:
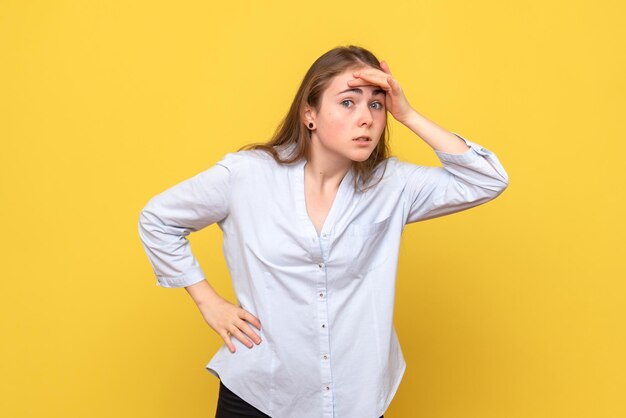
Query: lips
(363, 139)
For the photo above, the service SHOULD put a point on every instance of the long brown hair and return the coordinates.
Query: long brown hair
(291, 129)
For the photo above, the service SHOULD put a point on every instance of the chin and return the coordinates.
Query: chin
(361, 158)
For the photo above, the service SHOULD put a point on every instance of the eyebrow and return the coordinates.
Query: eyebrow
(359, 91)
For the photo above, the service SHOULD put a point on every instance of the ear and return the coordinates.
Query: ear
(308, 115)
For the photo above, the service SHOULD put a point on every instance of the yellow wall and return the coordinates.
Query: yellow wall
(512, 309)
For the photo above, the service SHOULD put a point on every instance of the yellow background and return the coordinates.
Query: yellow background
(512, 309)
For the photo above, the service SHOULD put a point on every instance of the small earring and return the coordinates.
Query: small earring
(311, 125)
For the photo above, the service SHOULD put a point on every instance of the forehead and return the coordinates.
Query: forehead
(340, 81)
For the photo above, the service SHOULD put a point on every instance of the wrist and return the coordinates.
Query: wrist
(409, 116)
(203, 293)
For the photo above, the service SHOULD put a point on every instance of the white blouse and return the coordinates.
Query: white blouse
(329, 348)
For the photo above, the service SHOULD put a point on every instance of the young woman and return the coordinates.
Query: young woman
(311, 223)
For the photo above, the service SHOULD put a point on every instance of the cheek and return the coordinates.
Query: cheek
(382, 120)
(333, 117)
(336, 122)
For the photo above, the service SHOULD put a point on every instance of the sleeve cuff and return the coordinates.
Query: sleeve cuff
(467, 155)
(191, 277)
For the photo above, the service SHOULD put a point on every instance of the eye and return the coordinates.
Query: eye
(380, 106)
(344, 101)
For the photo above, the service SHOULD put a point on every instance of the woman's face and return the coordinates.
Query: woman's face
(347, 113)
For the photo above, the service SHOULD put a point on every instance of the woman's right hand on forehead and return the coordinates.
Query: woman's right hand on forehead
(229, 320)
(396, 102)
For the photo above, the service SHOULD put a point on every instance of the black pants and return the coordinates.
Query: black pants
(230, 405)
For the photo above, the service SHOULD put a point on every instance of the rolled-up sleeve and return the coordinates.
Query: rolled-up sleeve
(465, 180)
(169, 217)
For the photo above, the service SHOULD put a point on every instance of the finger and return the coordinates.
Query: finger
(241, 337)
(392, 83)
(371, 79)
(252, 319)
(226, 336)
(368, 76)
(249, 332)
(385, 67)
(358, 82)
(374, 71)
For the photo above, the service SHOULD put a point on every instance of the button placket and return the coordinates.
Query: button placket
(324, 340)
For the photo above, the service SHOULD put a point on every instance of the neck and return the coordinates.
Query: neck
(325, 173)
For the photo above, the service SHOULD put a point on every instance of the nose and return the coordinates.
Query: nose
(365, 116)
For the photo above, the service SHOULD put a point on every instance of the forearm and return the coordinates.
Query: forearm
(202, 293)
(434, 135)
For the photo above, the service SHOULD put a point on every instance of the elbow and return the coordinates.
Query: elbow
(142, 226)
(504, 182)
(495, 188)
(504, 179)
(499, 187)
(499, 182)
(142, 218)
(145, 222)
(500, 178)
